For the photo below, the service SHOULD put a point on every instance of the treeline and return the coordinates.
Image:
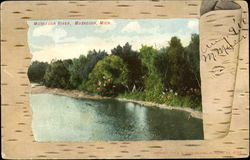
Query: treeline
(169, 75)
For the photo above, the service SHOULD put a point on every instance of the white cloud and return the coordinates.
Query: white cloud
(135, 27)
(67, 40)
(132, 27)
(104, 25)
(61, 51)
(50, 31)
(72, 50)
(43, 30)
(58, 34)
(35, 47)
(193, 24)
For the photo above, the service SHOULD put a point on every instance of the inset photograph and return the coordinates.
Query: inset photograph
(115, 80)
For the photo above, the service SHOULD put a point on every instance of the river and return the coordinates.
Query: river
(59, 118)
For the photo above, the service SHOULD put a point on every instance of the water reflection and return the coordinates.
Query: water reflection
(61, 118)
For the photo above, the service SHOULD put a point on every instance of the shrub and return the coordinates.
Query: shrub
(109, 77)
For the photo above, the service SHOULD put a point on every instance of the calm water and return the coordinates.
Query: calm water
(62, 118)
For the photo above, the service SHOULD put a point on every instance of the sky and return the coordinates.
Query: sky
(64, 39)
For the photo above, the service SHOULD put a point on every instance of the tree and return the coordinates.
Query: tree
(77, 67)
(109, 77)
(67, 63)
(163, 67)
(36, 71)
(180, 76)
(193, 58)
(92, 58)
(57, 74)
(153, 82)
(175, 60)
(131, 58)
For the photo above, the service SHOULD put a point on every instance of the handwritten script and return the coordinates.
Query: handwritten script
(211, 52)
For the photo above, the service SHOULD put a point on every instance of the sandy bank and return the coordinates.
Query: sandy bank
(77, 94)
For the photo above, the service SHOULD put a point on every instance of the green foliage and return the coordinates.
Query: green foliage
(163, 68)
(57, 74)
(170, 75)
(176, 63)
(109, 77)
(174, 68)
(168, 98)
(193, 57)
(136, 71)
(147, 55)
(76, 69)
(36, 71)
(137, 95)
(92, 58)
(169, 79)
(153, 82)
(83, 66)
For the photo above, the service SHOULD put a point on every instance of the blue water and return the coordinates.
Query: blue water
(64, 119)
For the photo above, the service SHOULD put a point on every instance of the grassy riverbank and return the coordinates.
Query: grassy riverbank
(168, 98)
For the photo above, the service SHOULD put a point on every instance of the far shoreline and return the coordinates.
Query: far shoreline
(36, 89)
